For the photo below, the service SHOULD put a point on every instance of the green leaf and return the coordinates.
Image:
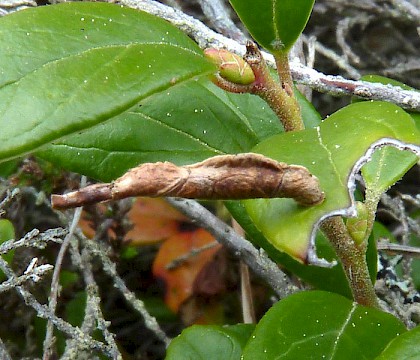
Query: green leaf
(275, 25)
(385, 81)
(7, 168)
(330, 152)
(188, 123)
(68, 67)
(166, 127)
(330, 279)
(210, 342)
(321, 325)
(388, 165)
(403, 347)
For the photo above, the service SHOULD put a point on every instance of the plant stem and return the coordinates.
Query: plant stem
(353, 259)
(280, 97)
(352, 256)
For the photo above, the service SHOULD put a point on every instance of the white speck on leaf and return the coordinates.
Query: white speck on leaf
(82, 19)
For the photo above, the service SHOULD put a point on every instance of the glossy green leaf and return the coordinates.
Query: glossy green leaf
(210, 343)
(330, 279)
(275, 25)
(330, 152)
(167, 127)
(388, 165)
(321, 325)
(403, 347)
(67, 67)
(185, 124)
(385, 81)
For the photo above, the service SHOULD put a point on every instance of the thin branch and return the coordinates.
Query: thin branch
(34, 239)
(333, 85)
(192, 253)
(338, 86)
(93, 315)
(406, 9)
(399, 249)
(10, 195)
(137, 304)
(85, 341)
(94, 302)
(218, 15)
(49, 336)
(33, 274)
(256, 259)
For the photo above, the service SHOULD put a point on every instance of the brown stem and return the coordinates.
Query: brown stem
(280, 97)
(353, 259)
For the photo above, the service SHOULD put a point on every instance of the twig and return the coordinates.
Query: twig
(399, 249)
(34, 239)
(338, 86)
(337, 59)
(344, 26)
(94, 303)
(217, 13)
(10, 195)
(333, 85)
(85, 341)
(49, 336)
(257, 260)
(192, 253)
(137, 304)
(93, 315)
(34, 274)
(406, 9)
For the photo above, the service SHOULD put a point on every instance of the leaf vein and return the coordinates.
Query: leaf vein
(330, 157)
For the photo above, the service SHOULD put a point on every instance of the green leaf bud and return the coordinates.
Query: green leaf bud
(231, 66)
(357, 226)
